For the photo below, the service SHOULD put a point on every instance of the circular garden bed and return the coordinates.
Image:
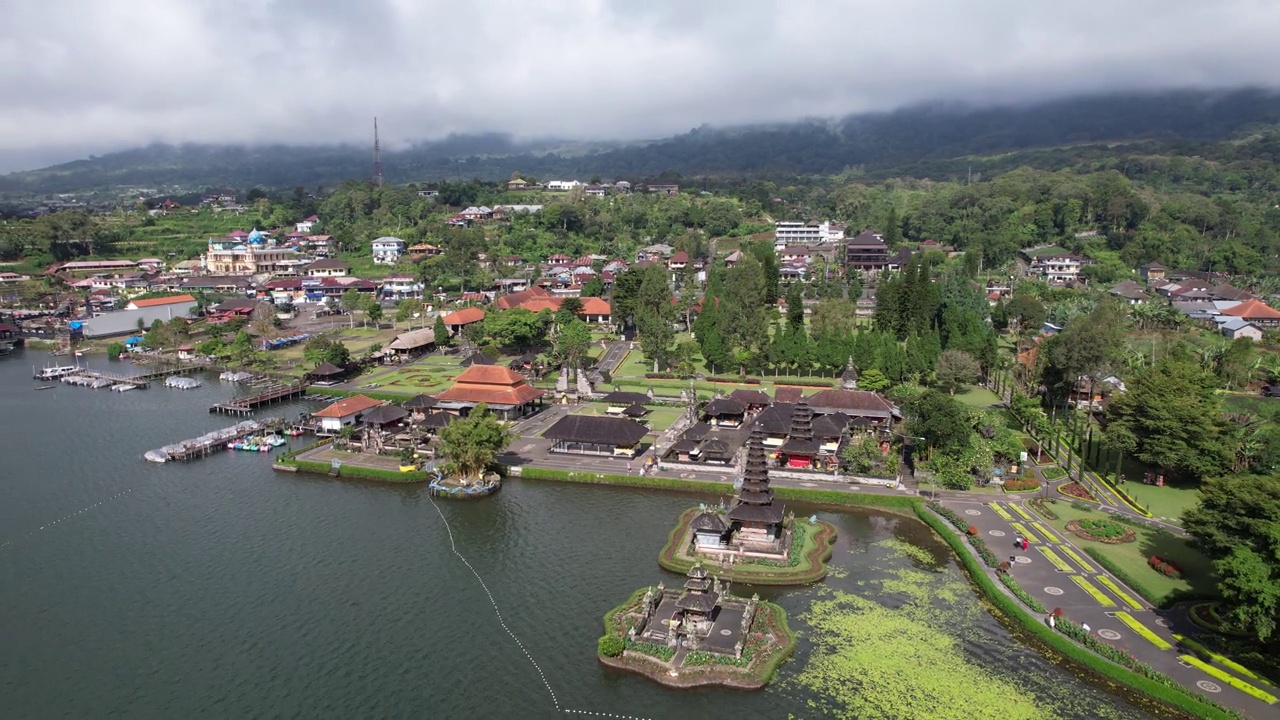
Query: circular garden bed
(1103, 531)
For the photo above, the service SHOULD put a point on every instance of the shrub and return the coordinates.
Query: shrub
(738, 381)
(1054, 473)
(1042, 506)
(1103, 528)
(1022, 484)
(972, 530)
(980, 546)
(660, 376)
(1165, 567)
(610, 645)
(1019, 593)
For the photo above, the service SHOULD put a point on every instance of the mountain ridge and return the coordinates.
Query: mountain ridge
(921, 136)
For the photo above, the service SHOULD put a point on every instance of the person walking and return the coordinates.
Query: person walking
(1025, 545)
(1017, 543)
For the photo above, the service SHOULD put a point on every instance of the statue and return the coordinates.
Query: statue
(584, 387)
(562, 382)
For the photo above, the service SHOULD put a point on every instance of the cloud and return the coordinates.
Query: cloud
(77, 74)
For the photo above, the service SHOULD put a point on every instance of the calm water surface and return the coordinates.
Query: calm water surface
(221, 589)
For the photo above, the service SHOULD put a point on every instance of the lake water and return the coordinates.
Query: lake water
(222, 589)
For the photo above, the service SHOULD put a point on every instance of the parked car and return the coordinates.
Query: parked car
(1271, 390)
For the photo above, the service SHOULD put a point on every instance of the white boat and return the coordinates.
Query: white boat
(123, 387)
(56, 371)
(182, 383)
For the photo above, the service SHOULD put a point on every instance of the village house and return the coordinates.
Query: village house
(387, 250)
(346, 411)
(412, 343)
(562, 185)
(400, 287)
(1152, 273)
(1130, 291)
(307, 225)
(429, 192)
(595, 191)
(1054, 265)
(663, 188)
(517, 184)
(1234, 327)
(456, 321)
(328, 267)
(1255, 312)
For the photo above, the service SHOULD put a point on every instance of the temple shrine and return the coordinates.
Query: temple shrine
(753, 525)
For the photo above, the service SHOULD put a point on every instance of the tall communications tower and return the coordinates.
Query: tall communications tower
(377, 156)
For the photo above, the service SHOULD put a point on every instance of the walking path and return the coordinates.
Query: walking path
(1057, 572)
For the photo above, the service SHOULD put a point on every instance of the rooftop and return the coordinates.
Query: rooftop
(348, 406)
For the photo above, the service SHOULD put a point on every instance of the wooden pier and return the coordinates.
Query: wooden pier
(142, 380)
(212, 442)
(274, 394)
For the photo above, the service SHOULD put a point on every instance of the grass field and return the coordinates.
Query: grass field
(1132, 557)
(1167, 502)
(978, 397)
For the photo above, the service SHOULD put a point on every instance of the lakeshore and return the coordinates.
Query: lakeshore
(337, 551)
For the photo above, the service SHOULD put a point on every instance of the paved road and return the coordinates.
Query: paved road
(613, 355)
(1057, 572)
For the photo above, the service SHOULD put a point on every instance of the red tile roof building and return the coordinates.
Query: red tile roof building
(504, 390)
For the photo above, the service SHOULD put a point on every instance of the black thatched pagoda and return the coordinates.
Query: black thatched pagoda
(756, 518)
(800, 448)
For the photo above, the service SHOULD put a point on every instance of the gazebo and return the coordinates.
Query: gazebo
(325, 372)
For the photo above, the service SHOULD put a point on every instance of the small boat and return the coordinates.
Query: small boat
(46, 387)
(123, 387)
(56, 371)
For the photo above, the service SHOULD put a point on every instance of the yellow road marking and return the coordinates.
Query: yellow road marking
(1000, 511)
(1144, 631)
(1093, 591)
(1045, 532)
(1052, 557)
(1125, 597)
(1023, 531)
(1071, 553)
(1018, 509)
(1229, 679)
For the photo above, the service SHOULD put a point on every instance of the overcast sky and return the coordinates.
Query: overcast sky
(80, 76)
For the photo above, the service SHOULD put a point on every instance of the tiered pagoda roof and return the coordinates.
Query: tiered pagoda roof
(698, 596)
(800, 438)
(754, 502)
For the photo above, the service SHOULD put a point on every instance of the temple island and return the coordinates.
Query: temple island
(697, 635)
(754, 539)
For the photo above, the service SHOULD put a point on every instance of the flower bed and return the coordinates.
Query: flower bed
(1078, 491)
(1168, 568)
(1054, 473)
(1103, 531)
(1016, 485)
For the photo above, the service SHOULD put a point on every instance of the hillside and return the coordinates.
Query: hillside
(931, 141)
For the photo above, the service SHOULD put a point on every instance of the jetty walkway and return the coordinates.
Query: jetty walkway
(272, 394)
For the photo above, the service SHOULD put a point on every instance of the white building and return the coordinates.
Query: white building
(306, 225)
(400, 287)
(562, 184)
(1057, 269)
(387, 250)
(813, 233)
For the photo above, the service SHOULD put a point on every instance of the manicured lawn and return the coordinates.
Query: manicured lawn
(1132, 557)
(1167, 502)
(979, 397)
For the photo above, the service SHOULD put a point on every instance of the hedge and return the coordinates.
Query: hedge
(1177, 697)
(364, 473)
(1158, 599)
(638, 481)
(1007, 580)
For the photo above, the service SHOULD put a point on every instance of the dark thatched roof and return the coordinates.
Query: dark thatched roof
(683, 446)
(699, 602)
(724, 406)
(326, 369)
(623, 397)
(619, 432)
(709, 522)
(757, 398)
(384, 415)
(636, 410)
(696, 432)
(756, 513)
(799, 446)
(476, 359)
(775, 420)
(439, 419)
(787, 394)
(420, 402)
